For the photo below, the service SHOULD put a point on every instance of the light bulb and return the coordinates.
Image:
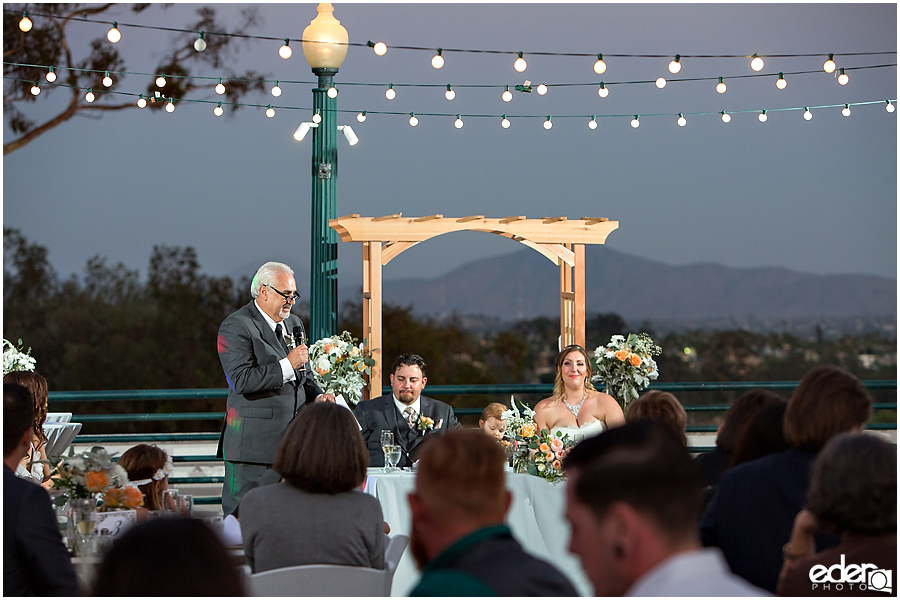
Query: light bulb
(276, 91)
(592, 124)
(520, 64)
(504, 122)
(142, 103)
(782, 82)
(89, 96)
(361, 117)
(889, 106)
(35, 90)
(542, 89)
(390, 94)
(218, 110)
(437, 61)
(548, 123)
(681, 120)
(161, 81)
(726, 118)
(603, 91)
(599, 66)
(413, 120)
(270, 112)
(661, 82)
(107, 80)
(459, 122)
(200, 43)
(763, 117)
(25, 23)
(829, 64)
(114, 35)
(846, 110)
(506, 95)
(332, 92)
(675, 65)
(449, 94)
(220, 87)
(721, 87)
(843, 78)
(380, 48)
(170, 107)
(807, 114)
(51, 76)
(317, 118)
(285, 51)
(636, 121)
(757, 63)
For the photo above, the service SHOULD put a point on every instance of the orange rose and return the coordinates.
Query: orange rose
(548, 457)
(622, 355)
(133, 497)
(544, 448)
(327, 348)
(95, 481)
(528, 430)
(361, 366)
(557, 465)
(635, 360)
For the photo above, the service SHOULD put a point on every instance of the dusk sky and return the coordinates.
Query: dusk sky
(816, 196)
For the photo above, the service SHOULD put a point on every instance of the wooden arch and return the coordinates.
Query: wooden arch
(559, 239)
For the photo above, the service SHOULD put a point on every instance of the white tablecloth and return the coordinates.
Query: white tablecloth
(536, 518)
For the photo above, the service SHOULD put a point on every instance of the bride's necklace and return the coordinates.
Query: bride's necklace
(574, 409)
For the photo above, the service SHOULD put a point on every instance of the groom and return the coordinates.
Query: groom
(409, 415)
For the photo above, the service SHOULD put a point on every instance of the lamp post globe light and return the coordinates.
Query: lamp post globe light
(324, 46)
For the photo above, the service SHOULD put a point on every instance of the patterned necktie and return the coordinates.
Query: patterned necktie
(410, 416)
(280, 335)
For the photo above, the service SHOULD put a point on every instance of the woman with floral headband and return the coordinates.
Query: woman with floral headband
(148, 468)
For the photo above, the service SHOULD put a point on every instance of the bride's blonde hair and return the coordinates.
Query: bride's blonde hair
(559, 389)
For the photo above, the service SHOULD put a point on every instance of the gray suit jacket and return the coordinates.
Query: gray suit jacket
(380, 413)
(259, 405)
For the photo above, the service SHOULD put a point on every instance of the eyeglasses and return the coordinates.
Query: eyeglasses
(294, 296)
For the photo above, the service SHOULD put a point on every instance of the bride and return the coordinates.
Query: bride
(576, 408)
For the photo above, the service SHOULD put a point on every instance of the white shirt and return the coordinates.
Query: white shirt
(701, 572)
(416, 406)
(287, 369)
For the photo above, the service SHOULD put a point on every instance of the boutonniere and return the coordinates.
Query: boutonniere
(425, 423)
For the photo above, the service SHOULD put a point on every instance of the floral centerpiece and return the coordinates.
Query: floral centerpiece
(626, 366)
(14, 359)
(339, 364)
(534, 452)
(93, 475)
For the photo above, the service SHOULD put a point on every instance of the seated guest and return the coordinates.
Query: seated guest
(411, 416)
(714, 462)
(491, 421)
(752, 512)
(764, 434)
(35, 560)
(633, 499)
(317, 515)
(657, 405)
(853, 493)
(36, 472)
(168, 557)
(458, 538)
(148, 468)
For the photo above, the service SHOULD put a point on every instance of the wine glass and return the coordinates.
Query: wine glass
(393, 457)
(387, 442)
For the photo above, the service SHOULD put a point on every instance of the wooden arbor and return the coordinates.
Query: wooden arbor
(559, 239)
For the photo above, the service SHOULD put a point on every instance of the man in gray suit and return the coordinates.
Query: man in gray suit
(268, 382)
(409, 415)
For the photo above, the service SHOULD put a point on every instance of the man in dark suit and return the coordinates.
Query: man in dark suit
(411, 416)
(268, 382)
(35, 560)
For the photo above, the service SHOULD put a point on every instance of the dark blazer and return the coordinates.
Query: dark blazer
(35, 560)
(259, 405)
(381, 413)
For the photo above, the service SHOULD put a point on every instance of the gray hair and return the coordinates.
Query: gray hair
(266, 276)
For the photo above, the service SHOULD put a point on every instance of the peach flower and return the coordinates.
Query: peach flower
(544, 448)
(556, 444)
(95, 481)
(622, 355)
(557, 465)
(133, 497)
(528, 430)
(635, 360)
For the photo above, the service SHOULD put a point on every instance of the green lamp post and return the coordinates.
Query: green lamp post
(325, 46)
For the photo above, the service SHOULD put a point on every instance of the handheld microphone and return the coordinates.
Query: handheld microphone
(299, 335)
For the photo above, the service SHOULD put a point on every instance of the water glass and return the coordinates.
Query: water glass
(187, 505)
(394, 457)
(387, 442)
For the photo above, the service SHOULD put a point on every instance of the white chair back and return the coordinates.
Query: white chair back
(319, 580)
(59, 437)
(58, 417)
(392, 554)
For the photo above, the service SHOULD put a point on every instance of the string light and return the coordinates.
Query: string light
(276, 91)
(270, 112)
(200, 43)
(437, 61)
(107, 80)
(459, 122)
(763, 117)
(504, 122)
(548, 123)
(114, 35)
(220, 87)
(661, 82)
(51, 76)
(757, 63)
(317, 118)
(218, 110)
(603, 91)
(592, 124)
(542, 89)
(506, 95)
(843, 78)
(361, 117)
(829, 64)
(721, 87)
(332, 92)
(142, 103)
(161, 81)
(782, 82)
(681, 120)
(449, 94)
(390, 94)
(726, 118)
(170, 107)
(413, 120)
(807, 114)
(846, 110)
(285, 51)
(380, 48)
(35, 89)
(599, 66)
(25, 23)
(889, 106)
(675, 65)
(520, 64)
(90, 95)
(636, 121)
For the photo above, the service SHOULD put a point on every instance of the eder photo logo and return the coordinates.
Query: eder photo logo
(851, 577)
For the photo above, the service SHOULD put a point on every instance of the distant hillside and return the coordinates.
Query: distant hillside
(524, 285)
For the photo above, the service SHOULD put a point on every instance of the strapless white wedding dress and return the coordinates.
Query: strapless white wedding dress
(577, 434)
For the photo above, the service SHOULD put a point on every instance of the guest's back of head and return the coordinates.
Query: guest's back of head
(828, 401)
(168, 557)
(740, 414)
(660, 406)
(37, 386)
(143, 462)
(18, 416)
(764, 434)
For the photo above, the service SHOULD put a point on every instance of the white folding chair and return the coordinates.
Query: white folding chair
(392, 554)
(59, 417)
(319, 580)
